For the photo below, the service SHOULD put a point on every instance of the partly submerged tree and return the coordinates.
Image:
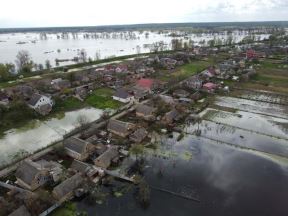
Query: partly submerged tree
(24, 61)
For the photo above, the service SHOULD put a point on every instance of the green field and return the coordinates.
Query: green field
(184, 71)
(102, 99)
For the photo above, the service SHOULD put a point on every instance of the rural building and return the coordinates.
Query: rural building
(77, 148)
(30, 175)
(41, 103)
(105, 159)
(145, 112)
(65, 190)
(120, 128)
(209, 87)
(139, 135)
(123, 96)
(171, 117)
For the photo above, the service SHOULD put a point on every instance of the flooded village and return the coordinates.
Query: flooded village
(204, 128)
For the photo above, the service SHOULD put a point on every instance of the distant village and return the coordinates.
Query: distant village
(150, 106)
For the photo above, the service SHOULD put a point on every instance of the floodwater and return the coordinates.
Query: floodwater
(67, 48)
(265, 108)
(268, 125)
(39, 134)
(237, 166)
(227, 181)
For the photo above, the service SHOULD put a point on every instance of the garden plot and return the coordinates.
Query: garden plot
(280, 111)
(263, 96)
(263, 124)
(239, 137)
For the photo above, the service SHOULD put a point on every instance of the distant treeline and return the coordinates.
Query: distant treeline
(156, 26)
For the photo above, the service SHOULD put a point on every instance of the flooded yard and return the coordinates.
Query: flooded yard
(39, 134)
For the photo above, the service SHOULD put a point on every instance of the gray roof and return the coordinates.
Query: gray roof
(121, 93)
(108, 156)
(68, 185)
(27, 171)
(145, 110)
(75, 144)
(21, 211)
(34, 99)
(80, 166)
(119, 126)
(139, 135)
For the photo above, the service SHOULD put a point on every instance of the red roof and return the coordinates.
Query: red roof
(209, 86)
(145, 83)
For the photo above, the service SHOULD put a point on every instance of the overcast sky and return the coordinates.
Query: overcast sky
(43, 13)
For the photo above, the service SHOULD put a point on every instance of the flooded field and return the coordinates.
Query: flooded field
(37, 134)
(53, 46)
(267, 125)
(253, 106)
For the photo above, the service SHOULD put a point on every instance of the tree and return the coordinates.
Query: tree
(82, 54)
(138, 49)
(82, 120)
(23, 59)
(47, 64)
(6, 71)
(143, 194)
(97, 55)
(137, 149)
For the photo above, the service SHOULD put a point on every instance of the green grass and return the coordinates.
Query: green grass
(69, 209)
(102, 99)
(185, 71)
(69, 104)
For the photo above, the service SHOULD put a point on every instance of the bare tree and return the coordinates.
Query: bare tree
(82, 54)
(97, 55)
(138, 49)
(82, 120)
(23, 61)
(47, 64)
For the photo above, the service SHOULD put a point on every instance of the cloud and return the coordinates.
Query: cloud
(91, 12)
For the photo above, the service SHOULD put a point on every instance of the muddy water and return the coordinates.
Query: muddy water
(226, 180)
(253, 106)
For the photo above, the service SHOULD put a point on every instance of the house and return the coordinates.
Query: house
(80, 166)
(171, 117)
(123, 96)
(24, 91)
(30, 175)
(65, 190)
(209, 87)
(105, 159)
(180, 93)
(139, 135)
(193, 83)
(40, 103)
(60, 84)
(145, 112)
(77, 148)
(150, 84)
(21, 211)
(121, 68)
(120, 128)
